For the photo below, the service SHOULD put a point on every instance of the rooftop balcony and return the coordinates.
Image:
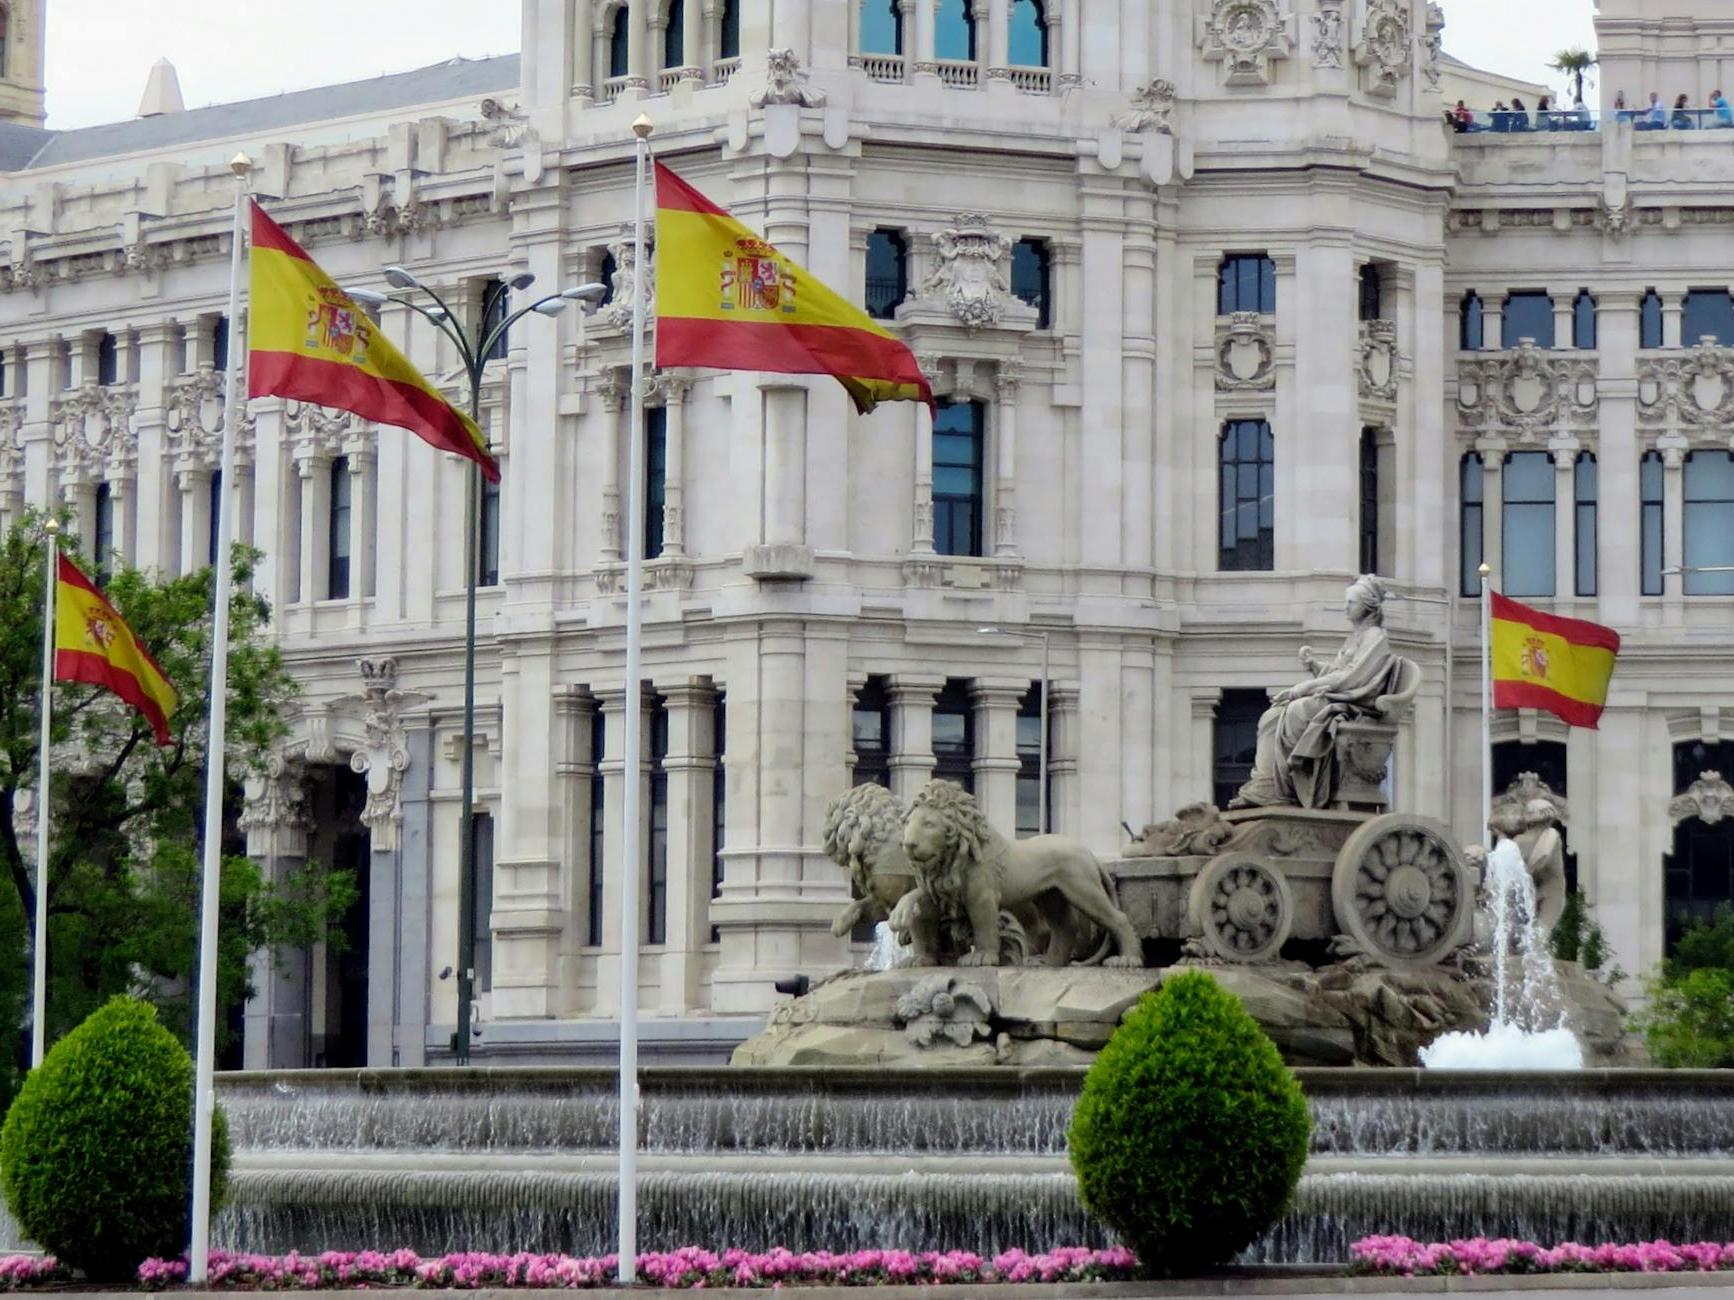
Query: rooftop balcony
(1536, 121)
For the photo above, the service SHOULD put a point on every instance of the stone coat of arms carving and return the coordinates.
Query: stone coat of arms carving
(1245, 36)
(1385, 49)
(970, 278)
(1527, 391)
(1245, 354)
(1696, 390)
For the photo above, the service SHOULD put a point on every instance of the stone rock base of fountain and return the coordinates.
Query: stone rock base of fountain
(1344, 1014)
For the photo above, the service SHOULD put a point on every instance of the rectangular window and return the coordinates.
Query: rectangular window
(496, 303)
(1583, 321)
(1650, 495)
(1471, 324)
(104, 539)
(1472, 484)
(1029, 800)
(216, 494)
(338, 539)
(488, 544)
(107, 359)
(2, 372)
(954, 735)
(1247, 534)
(598, 823)
(1706, 313)
(957, 478)
(482, 854)
(1526, 525)
(656, 851)
(1709, 524)
(1584, 491)
(1031, 278)
(718, 798)
(220, 343)
(1234, 741)
(1246, 282)
(1528, 314)
(887, 272)
(655, 478)
(1650, 320)
(1369, 500)
(871, 725)
(1370, 285)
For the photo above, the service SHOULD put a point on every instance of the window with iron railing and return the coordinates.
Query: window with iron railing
(887, 272)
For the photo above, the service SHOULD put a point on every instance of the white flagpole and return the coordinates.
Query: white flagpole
(39, 955)
(1486, 702)
(626, 1206)
(205, 1063)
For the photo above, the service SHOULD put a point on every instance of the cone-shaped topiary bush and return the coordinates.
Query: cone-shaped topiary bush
(1190, 1134)
(96, 1153)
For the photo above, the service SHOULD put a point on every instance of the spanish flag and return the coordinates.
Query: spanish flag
(308, 340)
(727, 300)
(1541, 661)
(93, 644)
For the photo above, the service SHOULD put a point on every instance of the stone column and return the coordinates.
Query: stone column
(194, 482)
(1066, 17)
(315, 471)
(363, 522)
(996, 762)
(583, 40)
(926, 61)
(690, 767)
(921, 543)
(1673, 448)
(855, 32)
(712, 36)
(638, 59)
(998, 60)
(1618, 449)
(1673, 312)
(912, 762)
(1064, 798)
(695, 56)
(612, 703)
(1564, 523)
(674, 394)
(613, 388)
(574, 720)
(1197, 779)
(1005, 515)
(1562, 317)
(275, 821)
(1492, 313)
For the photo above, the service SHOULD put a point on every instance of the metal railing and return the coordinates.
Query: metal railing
(1542, 121)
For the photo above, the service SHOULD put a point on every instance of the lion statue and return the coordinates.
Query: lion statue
(967, 873)
(864, 836)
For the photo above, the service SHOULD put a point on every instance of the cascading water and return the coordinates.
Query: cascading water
(1528, 1030)
(887, 953)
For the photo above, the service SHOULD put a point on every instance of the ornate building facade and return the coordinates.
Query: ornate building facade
(1220, 315)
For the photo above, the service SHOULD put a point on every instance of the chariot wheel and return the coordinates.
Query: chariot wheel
(1401, 892)
(1240, 908)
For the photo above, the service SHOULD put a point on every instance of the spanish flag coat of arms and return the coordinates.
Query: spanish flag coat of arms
(1543, 661)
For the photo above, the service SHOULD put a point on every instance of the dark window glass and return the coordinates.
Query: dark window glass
(1698, 876)
(337, 566)
(1528, 314)
(598, 822)
(1693, 758)
(954, 735)
(104, 541)
(1031, 277)
(882, 27)
(1471, 486)
(1583, 320)
(1650, 320)
(107, 359)
(656, 855)
(887, 272)
(482, 840)
(1650, 495)
(1234, 741)
(1709, 524)
(1526, 525)
(220, 343)
(1584, 492)
(1246, 538)
(957, 478)
(2, 374)
(655, 478)
(674, 36)
(1706, 313)
(496, 303)
(3, 37)
(605, 271)
(1370, 286)
(617, 43)
(1545, 758)
(1029, 809)
(1246, 282)
(216, 498)
(1471, 327)
(1028, 34)
(1369, 500)
(954, 31)
(488, 544)
(718, 798)
(730, 36)
(871, 725)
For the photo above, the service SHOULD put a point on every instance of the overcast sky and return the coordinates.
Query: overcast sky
(100, 51)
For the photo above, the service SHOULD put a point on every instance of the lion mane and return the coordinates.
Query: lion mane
(860, 825)
(968, 842)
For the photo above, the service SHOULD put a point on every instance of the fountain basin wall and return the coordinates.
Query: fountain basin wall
(837, 1159)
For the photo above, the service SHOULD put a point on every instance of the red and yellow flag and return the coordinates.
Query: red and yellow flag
(93, 644)
(308, 340)
(1542, 661)
(727, 300)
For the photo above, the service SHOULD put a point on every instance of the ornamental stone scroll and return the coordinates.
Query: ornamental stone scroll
(1709, 799)
(1696, 390)
(383, 756)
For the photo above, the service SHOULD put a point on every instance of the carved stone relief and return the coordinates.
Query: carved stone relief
(970, 279)
(1328, 34)
(1527, 390)
(193, 411)
(1696, 390)
(1152, 109)
(315, 431)
(1508, 806)
(1709, 799)
(1378, 365)
(1245, 37)
(1245, 353)
(384, 755)
(275, 800)
(786, 83)
(1383, 52)
(11, 449)
(93, 431)
(1432, 41)
(624, 281)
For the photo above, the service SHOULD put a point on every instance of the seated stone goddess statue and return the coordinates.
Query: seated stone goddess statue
(1296, 759)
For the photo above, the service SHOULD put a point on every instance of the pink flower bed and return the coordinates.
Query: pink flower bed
(689, 1267)
(1401, 1256)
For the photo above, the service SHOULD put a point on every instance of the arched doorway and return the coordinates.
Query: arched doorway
(1698, 875)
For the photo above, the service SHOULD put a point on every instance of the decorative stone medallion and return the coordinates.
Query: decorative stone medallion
(1245, 36)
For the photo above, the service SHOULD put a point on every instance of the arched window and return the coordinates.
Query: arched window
(1246, 537)
(954, 31)
(1650, 320)
(1028, 34)
(882, 27)
(618, 42)
(1526, 524)
(1650, 525)
(1583, 320)
(1709, 524)
(1584, 492)
(674, 36)
(729, 38)
(1471, 336)
(1698, 876)
(1470, 503)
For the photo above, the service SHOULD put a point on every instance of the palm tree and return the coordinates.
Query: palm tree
(1574, 63)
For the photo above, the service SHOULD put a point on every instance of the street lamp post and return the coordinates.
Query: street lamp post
(475, 344)
(1042, 745)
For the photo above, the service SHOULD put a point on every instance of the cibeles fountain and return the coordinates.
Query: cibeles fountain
(1350, 931)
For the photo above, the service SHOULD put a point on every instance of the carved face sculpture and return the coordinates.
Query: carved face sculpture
(924, 836)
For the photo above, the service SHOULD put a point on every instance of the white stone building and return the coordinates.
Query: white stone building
(1221, 313)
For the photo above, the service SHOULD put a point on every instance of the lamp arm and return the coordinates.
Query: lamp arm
(448, 325)
(498, 332)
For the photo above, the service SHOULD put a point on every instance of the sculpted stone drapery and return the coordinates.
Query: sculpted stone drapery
(1296, 759)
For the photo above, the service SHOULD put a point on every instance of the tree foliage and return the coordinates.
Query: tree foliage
(1574, 63)
(1689, 1022)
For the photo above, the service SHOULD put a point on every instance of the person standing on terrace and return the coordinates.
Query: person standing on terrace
(1724, 114)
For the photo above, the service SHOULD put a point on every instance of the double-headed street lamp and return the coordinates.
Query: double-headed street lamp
(1042, 748)
(475, 343)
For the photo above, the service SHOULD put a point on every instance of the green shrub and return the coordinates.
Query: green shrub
(96, 1152)
(1689, 1024)
(1190, 1134)
(1705, 945)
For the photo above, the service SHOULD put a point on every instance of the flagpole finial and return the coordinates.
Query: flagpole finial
(241, 165)
(642, 126)
(52, 527)
(1485, 569)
